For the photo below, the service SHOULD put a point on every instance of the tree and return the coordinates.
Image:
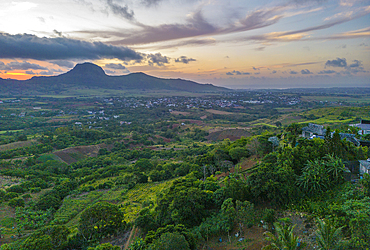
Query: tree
(152, 236)
(101, 219)
(245, 214)
(228, 211)
(238, 153)
(284, 238)
(170, 241)
(327, 236)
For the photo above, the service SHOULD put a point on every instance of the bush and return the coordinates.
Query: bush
(9, 196)
(16, 189)
(16, 202)
(35, 190)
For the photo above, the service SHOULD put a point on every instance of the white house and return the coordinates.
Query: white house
(364, 127)
(365, 166)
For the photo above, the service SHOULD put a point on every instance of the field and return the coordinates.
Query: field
(18, 144)
(10, 131)
(232, 134)
(179, 113)
(74, 154)
(338, 99)
(219, 112)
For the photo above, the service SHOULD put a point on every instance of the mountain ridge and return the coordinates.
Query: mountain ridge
(91, 76)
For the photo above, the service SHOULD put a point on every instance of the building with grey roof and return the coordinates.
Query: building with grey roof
(313, 129)
(365, 166)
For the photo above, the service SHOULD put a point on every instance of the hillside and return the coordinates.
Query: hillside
(88, 76)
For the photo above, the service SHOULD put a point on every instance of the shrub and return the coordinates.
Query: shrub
(16, 202)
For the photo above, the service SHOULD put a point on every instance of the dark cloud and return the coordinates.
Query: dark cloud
(58, 33)
(157, 59)
(355, 64)
(30, 72)
(115, 66)
(254, 68)
(46, 73)
(274, 72)
(339, 62)
(305, 72)
(324, 72)
(150, 3)
(120, 11)
(21, 66)
(184, 59)
(238, 73)
(33, 47)
(110, 71)
(63, 63)
(292, 72)
(355, 67)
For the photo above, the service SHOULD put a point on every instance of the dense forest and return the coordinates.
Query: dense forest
(216, 172)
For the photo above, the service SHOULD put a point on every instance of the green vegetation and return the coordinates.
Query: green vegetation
(182, 173)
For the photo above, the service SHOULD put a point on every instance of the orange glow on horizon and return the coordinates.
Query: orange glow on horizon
(16, 76)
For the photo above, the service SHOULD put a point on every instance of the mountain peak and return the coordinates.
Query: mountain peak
(87, 69)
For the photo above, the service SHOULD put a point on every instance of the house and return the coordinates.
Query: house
(365, 166)
(350, 138)
(364, 127)
(313, 129)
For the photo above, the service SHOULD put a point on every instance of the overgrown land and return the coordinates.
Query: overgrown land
(221, 171)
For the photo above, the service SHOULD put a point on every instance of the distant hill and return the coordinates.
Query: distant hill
(87, 76)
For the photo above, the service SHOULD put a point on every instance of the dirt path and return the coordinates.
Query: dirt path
(132, 235)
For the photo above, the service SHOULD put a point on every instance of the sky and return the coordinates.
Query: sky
(240, 44)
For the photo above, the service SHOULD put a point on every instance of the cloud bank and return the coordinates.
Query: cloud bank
(60, 48)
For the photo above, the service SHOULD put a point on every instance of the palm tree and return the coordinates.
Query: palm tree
(327, 236)
(284, 239)
(335, 168)
(313, 179)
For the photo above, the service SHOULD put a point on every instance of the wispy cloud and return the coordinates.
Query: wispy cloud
(351, 34)
(122, 11)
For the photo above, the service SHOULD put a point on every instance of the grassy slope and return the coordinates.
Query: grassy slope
(131, 200)
(18, 144)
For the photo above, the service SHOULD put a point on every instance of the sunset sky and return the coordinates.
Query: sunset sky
(238, 44)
